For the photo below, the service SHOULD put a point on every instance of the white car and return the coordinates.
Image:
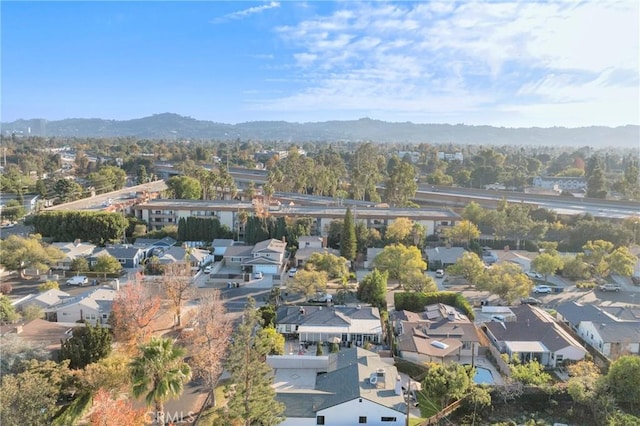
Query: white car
(439, 273)
(78, 280)
(257, 276)
(207, 269)
(542, 289)
(292, 272)
(534, 275)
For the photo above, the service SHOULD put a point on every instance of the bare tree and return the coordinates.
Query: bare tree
(210, 338)
(176, 282)
(134, 308)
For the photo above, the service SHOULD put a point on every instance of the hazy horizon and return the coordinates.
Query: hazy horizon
(501, 64)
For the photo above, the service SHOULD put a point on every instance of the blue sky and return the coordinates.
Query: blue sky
(551, 63)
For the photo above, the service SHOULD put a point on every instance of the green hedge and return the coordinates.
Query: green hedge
(415, 302)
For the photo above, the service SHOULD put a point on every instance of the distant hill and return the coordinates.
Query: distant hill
(172, 126)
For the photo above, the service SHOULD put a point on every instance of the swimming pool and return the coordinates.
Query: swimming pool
(483, 376)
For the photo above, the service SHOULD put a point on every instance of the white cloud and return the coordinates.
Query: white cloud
(474, 58)
(241, 14)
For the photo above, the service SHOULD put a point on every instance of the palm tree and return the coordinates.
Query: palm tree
(159, 372)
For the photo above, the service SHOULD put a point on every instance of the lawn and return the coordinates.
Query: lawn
(210, 414)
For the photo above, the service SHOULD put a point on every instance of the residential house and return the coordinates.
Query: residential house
(128, 256)
(353, 386)
(44, 333)
(372, 252)
(307, 246)
(29, 201)
(237, 255)
(71, 252)
(267, 257)
(349, 325)
(612, 331)
(46, 301)
(148, 245)
(196, 257)
(441, 257)
(220, 245)
(520, 258)
(93, 307)
(439, 334)
(534, 334)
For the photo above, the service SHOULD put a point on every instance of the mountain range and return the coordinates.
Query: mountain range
(174, 126)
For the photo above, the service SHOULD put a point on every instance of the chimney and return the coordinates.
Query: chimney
(398, 387)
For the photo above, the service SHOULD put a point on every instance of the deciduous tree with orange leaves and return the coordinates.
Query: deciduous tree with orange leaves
(132, 313)
(110, 410)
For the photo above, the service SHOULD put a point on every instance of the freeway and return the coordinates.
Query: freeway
(454, 196)
(612, 209)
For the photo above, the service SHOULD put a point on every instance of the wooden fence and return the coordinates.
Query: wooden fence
(446, 411)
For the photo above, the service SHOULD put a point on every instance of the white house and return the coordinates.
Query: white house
(350, 325)
(353, 386)
(612, 331)
(93, 307)
(267, 257)
(534, 335)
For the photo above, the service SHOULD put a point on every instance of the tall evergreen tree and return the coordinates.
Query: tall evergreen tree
(87, 345)
(597, 184)
(252, 400)
(348, 243)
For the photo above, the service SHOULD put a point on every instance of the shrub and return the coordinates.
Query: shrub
(6, 288)
(415, 302)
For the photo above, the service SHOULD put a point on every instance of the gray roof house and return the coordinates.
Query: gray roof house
(268, 257)
(441, 257)
(220, 245)
(534, 334)
(439, 334)
(72, 251)
(196, 257)
(353, 386)
(350, 325)
(612, 331)
(128, 256)
(93, 306)
(47, 301)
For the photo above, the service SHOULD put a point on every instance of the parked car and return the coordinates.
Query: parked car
(321, 298)
(535, 275)
(439, 273)
(257, 276)
(207, 269)
(542, 289)
(292, 272)
(78, 280)
(530, 301)
(609, 287)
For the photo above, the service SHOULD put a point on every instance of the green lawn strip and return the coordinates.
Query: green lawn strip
(210, 414)
(427, 407)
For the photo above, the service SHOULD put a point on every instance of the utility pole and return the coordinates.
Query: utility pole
(407, 399)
